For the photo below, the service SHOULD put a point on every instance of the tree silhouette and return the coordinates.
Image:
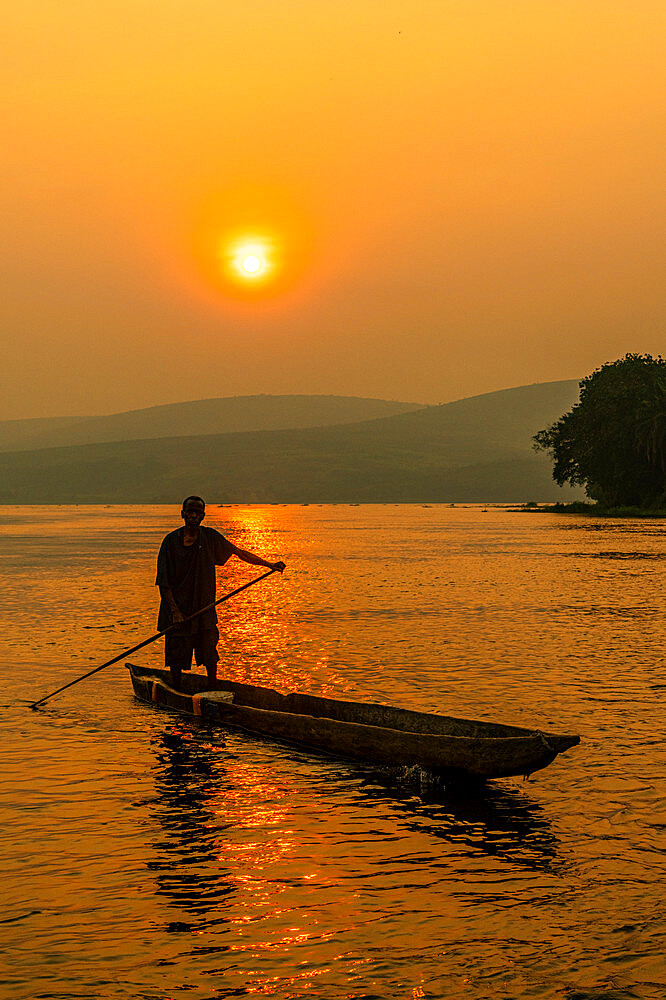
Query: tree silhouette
(613, 441)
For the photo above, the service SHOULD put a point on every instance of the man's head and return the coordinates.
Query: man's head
(194, 511)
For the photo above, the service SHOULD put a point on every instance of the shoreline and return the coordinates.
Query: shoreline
(589, 509)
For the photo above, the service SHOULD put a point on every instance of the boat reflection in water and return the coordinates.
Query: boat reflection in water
(244, 822)
(501, 822)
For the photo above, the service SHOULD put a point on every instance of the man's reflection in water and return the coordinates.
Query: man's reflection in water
(188, 784)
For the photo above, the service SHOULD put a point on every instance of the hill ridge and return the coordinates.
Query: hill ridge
(212, 415)
(476, 448)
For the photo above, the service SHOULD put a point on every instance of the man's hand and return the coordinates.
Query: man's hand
(279, 566)
(177, 616)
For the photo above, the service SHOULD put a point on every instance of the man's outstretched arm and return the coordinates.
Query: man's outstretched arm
(254, 559)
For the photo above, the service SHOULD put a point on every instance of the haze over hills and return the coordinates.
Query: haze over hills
(201, 416)
(475, 449)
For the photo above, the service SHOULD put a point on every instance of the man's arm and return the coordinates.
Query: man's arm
(254, 559)
(162, 581)
(176, 613)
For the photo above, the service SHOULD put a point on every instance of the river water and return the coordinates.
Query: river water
(148, 856)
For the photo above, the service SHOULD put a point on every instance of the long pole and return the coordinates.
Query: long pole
(147, 642)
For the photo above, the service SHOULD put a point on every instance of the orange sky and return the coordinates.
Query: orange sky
(462, 195)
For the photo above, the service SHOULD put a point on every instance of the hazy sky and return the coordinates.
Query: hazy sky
(444, 197)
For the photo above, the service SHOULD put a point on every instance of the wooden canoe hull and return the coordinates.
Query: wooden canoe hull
(453, 748)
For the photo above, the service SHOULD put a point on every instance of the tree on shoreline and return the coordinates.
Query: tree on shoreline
(613, 441)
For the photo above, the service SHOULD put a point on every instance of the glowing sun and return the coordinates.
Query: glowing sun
(251, 263)
(254, 244)
(251, 260)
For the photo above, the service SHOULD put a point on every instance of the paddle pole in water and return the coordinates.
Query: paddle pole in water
(147, 642)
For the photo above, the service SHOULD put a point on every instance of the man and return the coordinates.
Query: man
(186, 578)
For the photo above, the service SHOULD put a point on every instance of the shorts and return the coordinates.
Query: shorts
(178, 649)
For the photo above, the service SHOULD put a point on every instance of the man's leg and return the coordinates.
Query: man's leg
(177, 656)
(206, 652)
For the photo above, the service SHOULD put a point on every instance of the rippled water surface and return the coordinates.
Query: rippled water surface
(147, 856)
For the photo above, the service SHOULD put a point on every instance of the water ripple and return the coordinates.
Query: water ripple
(148, 856)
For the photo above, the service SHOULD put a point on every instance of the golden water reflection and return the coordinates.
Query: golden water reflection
(211, 863)
(245, 876)
(209, 805)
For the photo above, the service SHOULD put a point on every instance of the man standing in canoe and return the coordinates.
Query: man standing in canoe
(186, 578)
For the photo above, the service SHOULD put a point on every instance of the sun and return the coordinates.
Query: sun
(254, 244)
(251, 263)
(250, 260)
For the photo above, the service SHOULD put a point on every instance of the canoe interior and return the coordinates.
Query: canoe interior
(367, 714)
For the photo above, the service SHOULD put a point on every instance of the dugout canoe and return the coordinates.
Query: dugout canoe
(377, 734)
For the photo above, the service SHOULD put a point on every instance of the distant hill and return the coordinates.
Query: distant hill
(475, 449)
(202, 416)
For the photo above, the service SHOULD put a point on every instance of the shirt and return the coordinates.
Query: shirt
(189, 573)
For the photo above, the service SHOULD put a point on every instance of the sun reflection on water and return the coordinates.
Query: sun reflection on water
(211, 861)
